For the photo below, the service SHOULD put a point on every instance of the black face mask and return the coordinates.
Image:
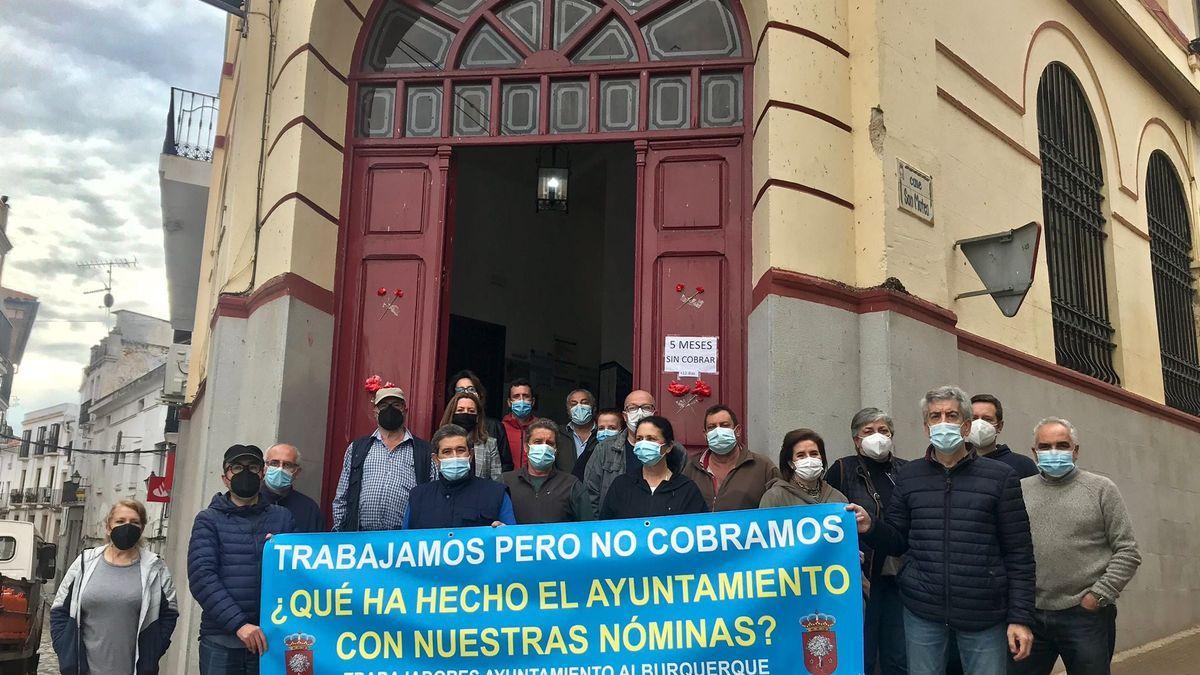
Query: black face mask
(391, 419)
(126, 535)
(245, 484)
(464, 420)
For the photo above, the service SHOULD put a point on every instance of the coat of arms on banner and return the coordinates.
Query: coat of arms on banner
(820, 644)
(298, 658)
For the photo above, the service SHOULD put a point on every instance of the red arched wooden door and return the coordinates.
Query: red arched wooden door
(671, 76)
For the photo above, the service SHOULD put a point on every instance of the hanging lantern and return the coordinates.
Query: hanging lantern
(552, 189)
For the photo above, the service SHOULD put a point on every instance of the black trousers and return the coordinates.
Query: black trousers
(1085, 641)
(883, 629)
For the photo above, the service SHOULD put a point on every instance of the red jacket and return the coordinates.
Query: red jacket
(514, 430)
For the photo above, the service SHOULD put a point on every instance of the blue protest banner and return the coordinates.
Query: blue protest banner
(762, 592)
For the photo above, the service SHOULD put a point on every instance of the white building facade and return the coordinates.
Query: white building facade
(36, 473)
(123, 423)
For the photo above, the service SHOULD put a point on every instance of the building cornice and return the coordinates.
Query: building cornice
(1162, 69)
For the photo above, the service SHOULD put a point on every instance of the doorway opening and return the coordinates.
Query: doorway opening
(544, 295)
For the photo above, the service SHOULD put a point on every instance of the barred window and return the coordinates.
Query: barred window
(1171, 260)
(1072, 200)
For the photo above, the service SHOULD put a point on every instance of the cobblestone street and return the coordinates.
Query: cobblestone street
(48, 665)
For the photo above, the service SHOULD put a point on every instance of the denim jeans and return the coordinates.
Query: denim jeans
(1085, 641)
(983, 652)
(883, 634)
(217, 659)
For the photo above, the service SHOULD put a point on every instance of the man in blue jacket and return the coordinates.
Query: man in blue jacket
(283, 466)
(961, 520)
(986, 427)
(225, 565)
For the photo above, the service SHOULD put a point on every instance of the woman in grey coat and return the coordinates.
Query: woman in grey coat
(115, 609)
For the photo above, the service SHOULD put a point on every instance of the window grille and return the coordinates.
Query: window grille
(1171, 260)
(1072, 200)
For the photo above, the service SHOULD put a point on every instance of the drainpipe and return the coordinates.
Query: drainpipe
(262, 144)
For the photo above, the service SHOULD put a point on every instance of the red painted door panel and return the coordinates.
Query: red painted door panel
(389, 318)
(691, 275)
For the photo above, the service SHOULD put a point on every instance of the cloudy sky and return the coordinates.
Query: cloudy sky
(84, 89)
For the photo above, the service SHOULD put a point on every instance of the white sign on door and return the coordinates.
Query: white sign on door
(916, 192)
(690, 356)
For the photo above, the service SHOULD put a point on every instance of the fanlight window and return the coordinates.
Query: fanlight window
(663, 65)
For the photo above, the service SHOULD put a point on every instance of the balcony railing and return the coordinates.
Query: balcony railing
(42, 496)
(191, 125)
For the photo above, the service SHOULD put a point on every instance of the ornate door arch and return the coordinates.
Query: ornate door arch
(671, 76)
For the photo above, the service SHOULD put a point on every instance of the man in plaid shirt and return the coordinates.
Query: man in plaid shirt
(381, 469)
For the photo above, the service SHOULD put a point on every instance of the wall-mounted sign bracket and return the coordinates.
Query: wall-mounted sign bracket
(1005, 262)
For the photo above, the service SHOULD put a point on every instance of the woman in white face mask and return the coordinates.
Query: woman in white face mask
(802, 465)
(867, 478)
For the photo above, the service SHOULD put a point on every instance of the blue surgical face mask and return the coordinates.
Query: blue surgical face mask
(648, 452)
(721, 440)
(521, 408)
(541, 456)
(605, 433)
(581, 414)
(454, 468)
(946, 437)
(277, 478)
(1055, 463)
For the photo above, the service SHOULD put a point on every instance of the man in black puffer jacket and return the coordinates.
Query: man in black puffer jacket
(225, 565)
(961, 521)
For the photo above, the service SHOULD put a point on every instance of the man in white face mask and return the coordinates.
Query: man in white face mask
(986, 424)
(614, 454)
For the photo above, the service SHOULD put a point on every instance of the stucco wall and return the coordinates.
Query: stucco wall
(300, 151)
(919, 85)
(817, 365)
(1153, 464)
(268, 383)
(839, 94)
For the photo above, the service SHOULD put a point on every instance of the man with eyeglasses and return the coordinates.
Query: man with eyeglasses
(962, 522)
(283, 466)
(381, 470)
(612, 455)
(224, 564)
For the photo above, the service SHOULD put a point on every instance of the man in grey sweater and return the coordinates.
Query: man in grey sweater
(1085, 552)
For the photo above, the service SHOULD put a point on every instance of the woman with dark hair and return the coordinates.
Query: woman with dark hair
(802, 464)
(466, 411)
(467, 382)
(656, 487)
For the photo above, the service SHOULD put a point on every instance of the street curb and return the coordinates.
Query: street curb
(1156, 644)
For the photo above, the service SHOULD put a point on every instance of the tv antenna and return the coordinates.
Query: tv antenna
(108, 266)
